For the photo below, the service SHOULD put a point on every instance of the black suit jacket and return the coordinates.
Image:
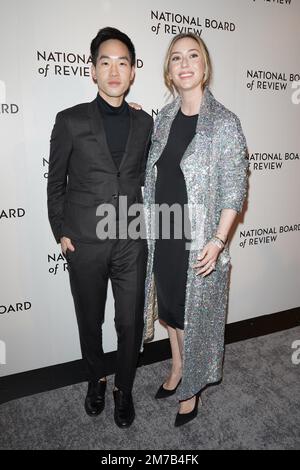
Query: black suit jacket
(82, 173)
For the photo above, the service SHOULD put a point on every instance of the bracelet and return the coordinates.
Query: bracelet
(218, 242)
(224, 242)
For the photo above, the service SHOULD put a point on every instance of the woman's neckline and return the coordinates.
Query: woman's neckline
(187, 115)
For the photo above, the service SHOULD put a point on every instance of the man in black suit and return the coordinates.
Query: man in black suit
(98, 154)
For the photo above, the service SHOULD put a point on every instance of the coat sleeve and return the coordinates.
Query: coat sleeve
(60, 151)
(233, 165)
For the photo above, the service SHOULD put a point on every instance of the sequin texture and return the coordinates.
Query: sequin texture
(215, 169)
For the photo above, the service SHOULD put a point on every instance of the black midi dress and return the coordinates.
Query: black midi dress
(171, 255)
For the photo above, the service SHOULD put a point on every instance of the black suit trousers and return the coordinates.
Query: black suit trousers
(91, 265)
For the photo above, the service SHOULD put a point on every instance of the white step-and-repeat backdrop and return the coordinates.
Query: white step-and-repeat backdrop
(45, 67)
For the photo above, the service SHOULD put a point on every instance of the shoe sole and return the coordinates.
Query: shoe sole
(93, 415)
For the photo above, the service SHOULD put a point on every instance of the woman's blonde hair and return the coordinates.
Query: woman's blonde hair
(207, 71)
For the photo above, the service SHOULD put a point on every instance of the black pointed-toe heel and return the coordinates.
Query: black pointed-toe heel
(183, 418)
(164, 393)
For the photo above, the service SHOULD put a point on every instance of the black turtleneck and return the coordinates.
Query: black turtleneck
(116, 123)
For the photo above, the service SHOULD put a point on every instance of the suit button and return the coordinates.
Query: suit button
(118, 174)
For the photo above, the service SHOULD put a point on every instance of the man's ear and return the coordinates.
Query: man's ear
(132, 75)
(93, 73)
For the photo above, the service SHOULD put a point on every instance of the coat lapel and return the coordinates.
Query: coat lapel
(133, 130)
(204, 124)
(160, 139)
(97, 127)
(203, 129)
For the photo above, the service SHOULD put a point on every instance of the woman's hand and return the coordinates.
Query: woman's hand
(207, 259)
(136, 106)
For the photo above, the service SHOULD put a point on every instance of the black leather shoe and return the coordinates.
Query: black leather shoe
(164, 393)
(95, 398)
(124, 410)
(183, 418)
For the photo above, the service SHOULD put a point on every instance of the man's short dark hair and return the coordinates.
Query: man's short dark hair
(111, 33)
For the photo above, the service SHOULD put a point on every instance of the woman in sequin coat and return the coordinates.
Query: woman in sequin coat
(214, 168)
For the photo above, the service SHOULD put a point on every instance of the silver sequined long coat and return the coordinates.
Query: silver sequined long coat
(215, 169)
